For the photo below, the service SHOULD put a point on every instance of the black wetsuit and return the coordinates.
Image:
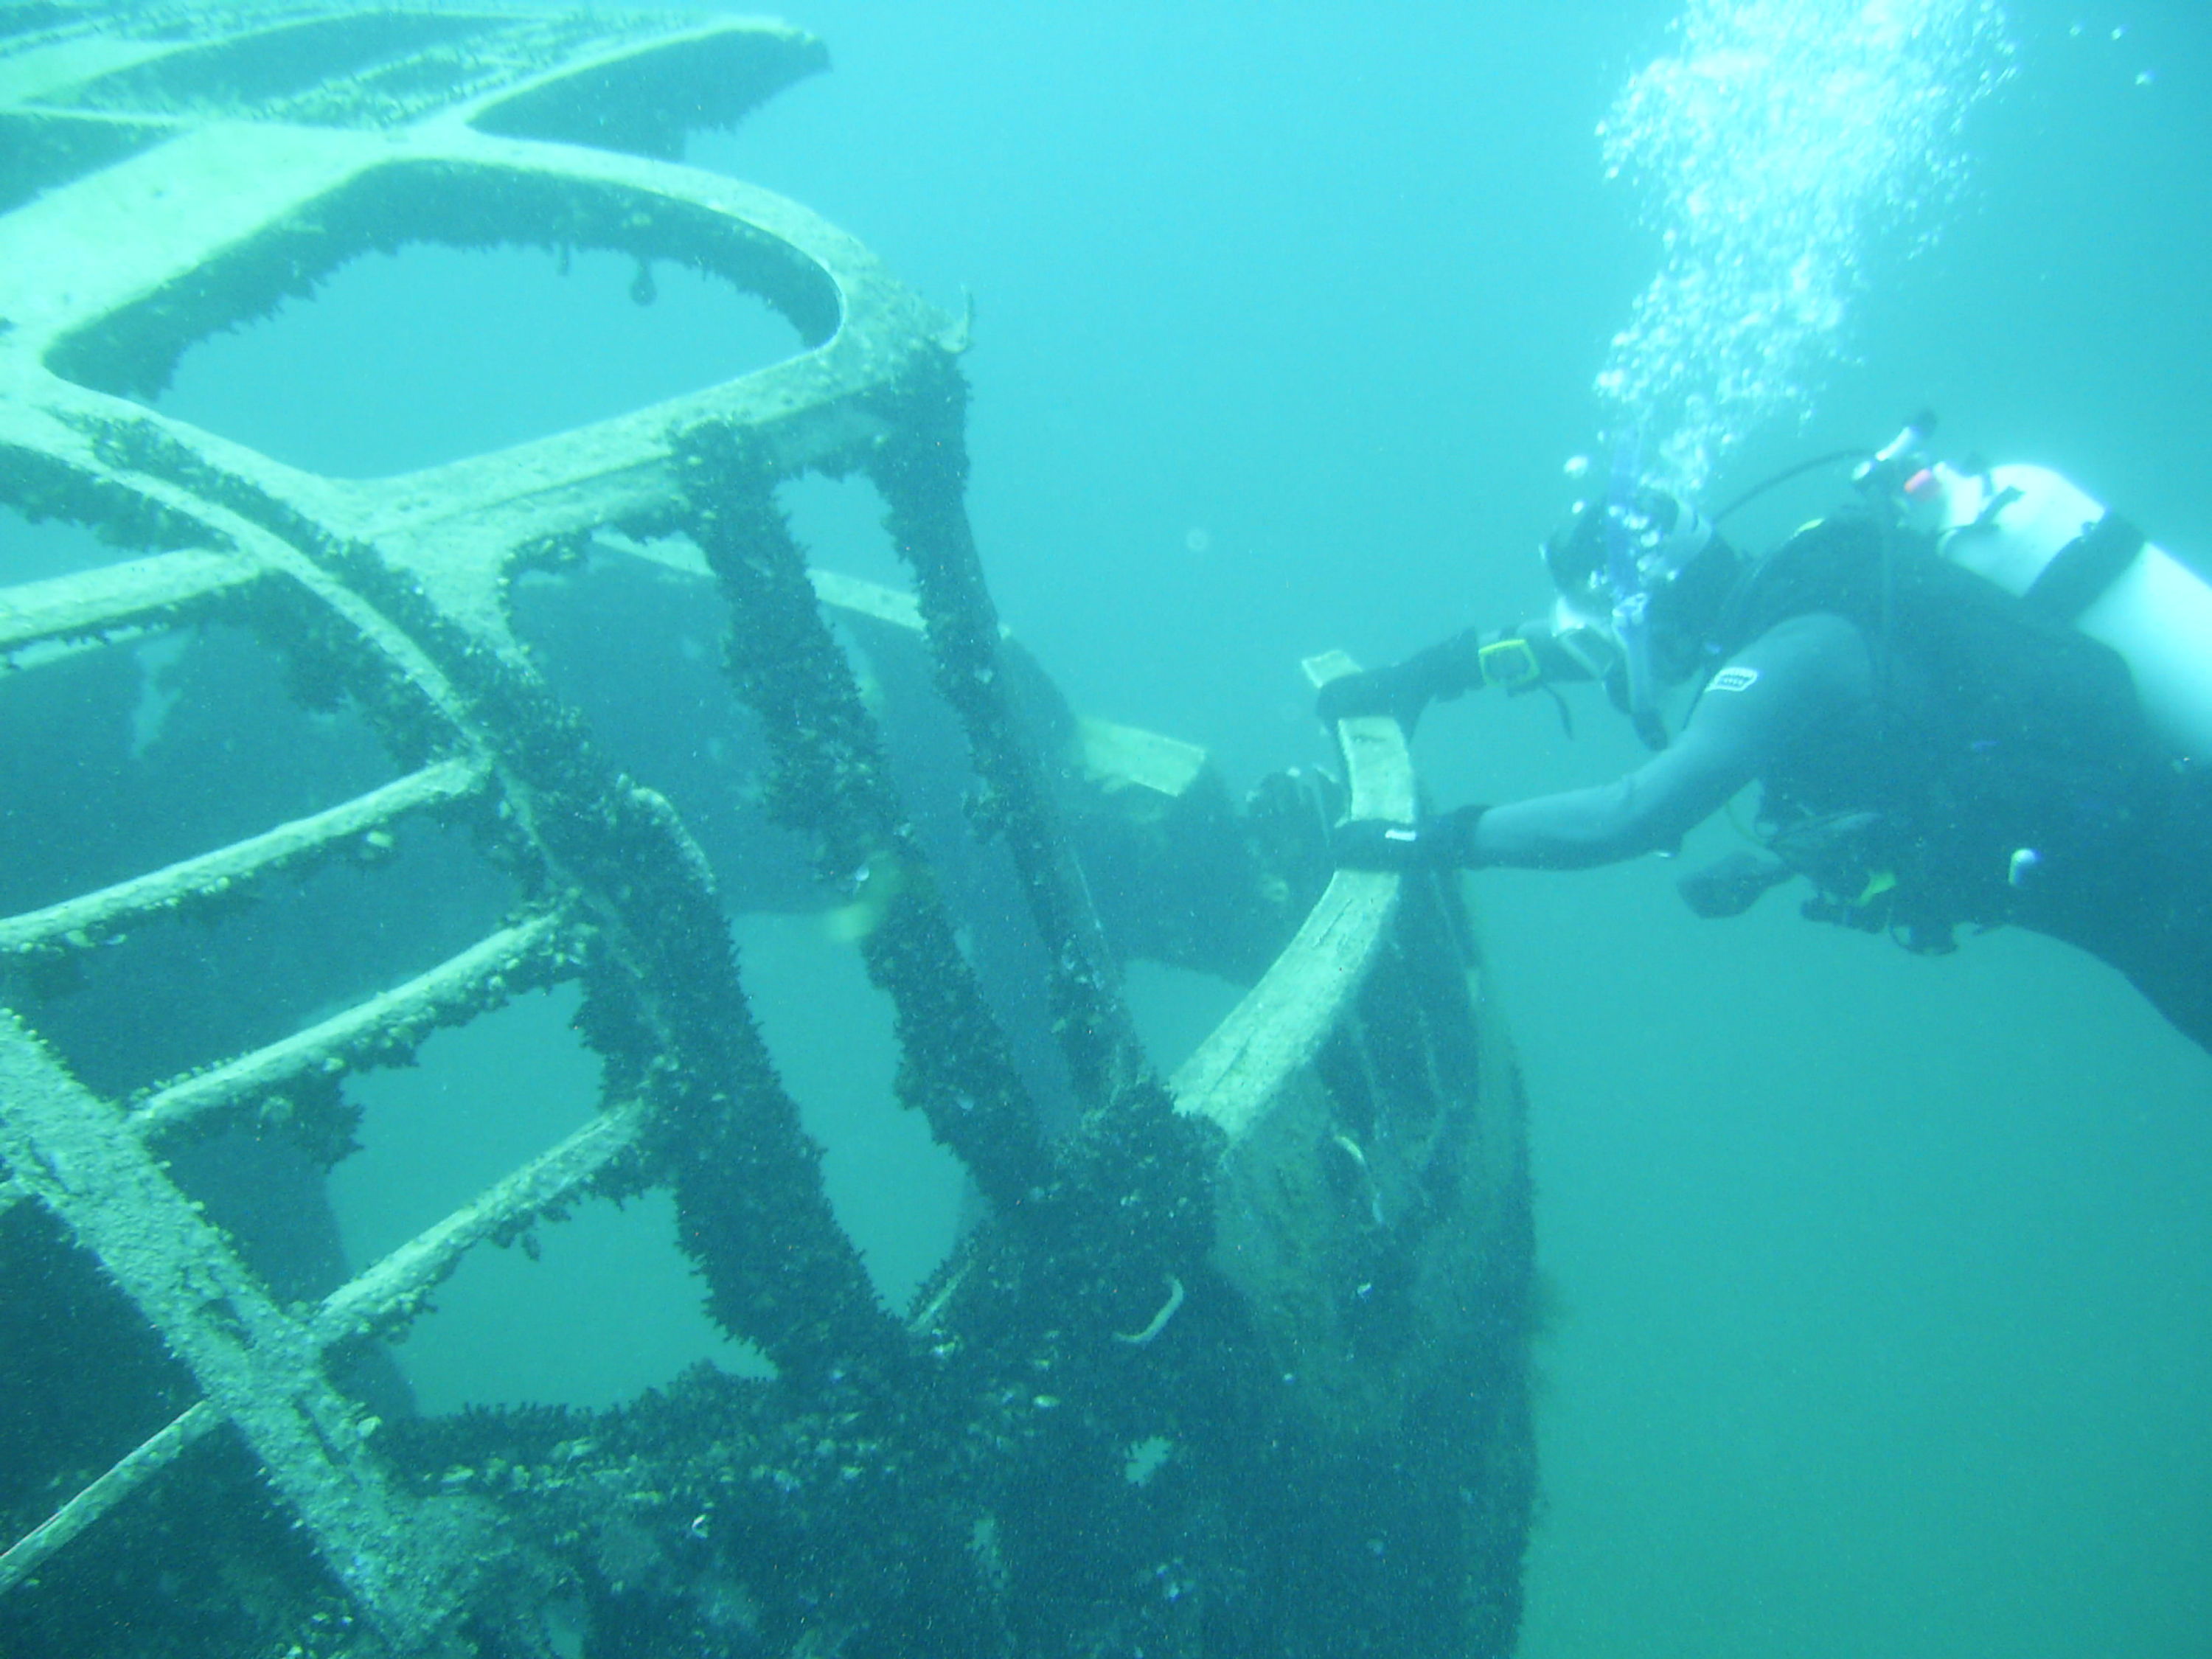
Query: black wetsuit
(1802, 695)
(1796, 710)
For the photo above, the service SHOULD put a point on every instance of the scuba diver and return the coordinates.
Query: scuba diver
(1971, 698)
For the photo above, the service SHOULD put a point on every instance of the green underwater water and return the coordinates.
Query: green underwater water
(1879, 1288)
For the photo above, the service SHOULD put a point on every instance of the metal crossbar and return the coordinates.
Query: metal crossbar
(106, 601)
(391, 1022)
(88, 918)
(387, 1025)
(387, 1292)
(27, 1554)
(394, 1285)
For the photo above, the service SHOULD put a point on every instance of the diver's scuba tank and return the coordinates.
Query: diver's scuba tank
(2032, 533)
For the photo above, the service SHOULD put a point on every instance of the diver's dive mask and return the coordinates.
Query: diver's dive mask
(1616, 565)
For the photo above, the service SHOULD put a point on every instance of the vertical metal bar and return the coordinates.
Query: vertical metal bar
(922, 470)
(833, 780)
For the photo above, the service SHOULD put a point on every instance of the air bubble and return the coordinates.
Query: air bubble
(1781, 143)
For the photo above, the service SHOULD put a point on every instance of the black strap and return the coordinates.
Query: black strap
(2081, 572)
(1449, 669)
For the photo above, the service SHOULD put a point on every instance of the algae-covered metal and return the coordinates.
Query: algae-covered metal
(1231, 1365)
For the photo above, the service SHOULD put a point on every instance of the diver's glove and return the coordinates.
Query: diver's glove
(1404, 690)
(1733, 885)
(1445, 842)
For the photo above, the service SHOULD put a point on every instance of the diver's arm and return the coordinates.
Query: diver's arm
(1516, 658)
(1805, 672)
(1653, 807)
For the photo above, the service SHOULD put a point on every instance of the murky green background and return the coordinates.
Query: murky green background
(1880, 1288)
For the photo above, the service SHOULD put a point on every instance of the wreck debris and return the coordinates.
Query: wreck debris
(1326, 1414)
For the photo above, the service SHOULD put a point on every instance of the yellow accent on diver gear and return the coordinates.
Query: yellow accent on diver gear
(1509, 663)
(1881, 882)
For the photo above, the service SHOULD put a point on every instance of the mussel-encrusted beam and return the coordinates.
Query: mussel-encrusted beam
(663, 1003)
(832, 782)
(1127, 1208)
(23, 1557)
(406, 1564)
(91, 917)
(663, 1007)
(920, 468)
(385, 1028)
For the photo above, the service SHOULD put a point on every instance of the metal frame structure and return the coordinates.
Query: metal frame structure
(1296, 1271)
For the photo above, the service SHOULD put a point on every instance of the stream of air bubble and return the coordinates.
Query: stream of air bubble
(1779, 146)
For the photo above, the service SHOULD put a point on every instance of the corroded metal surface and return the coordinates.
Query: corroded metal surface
(1234, 1364)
